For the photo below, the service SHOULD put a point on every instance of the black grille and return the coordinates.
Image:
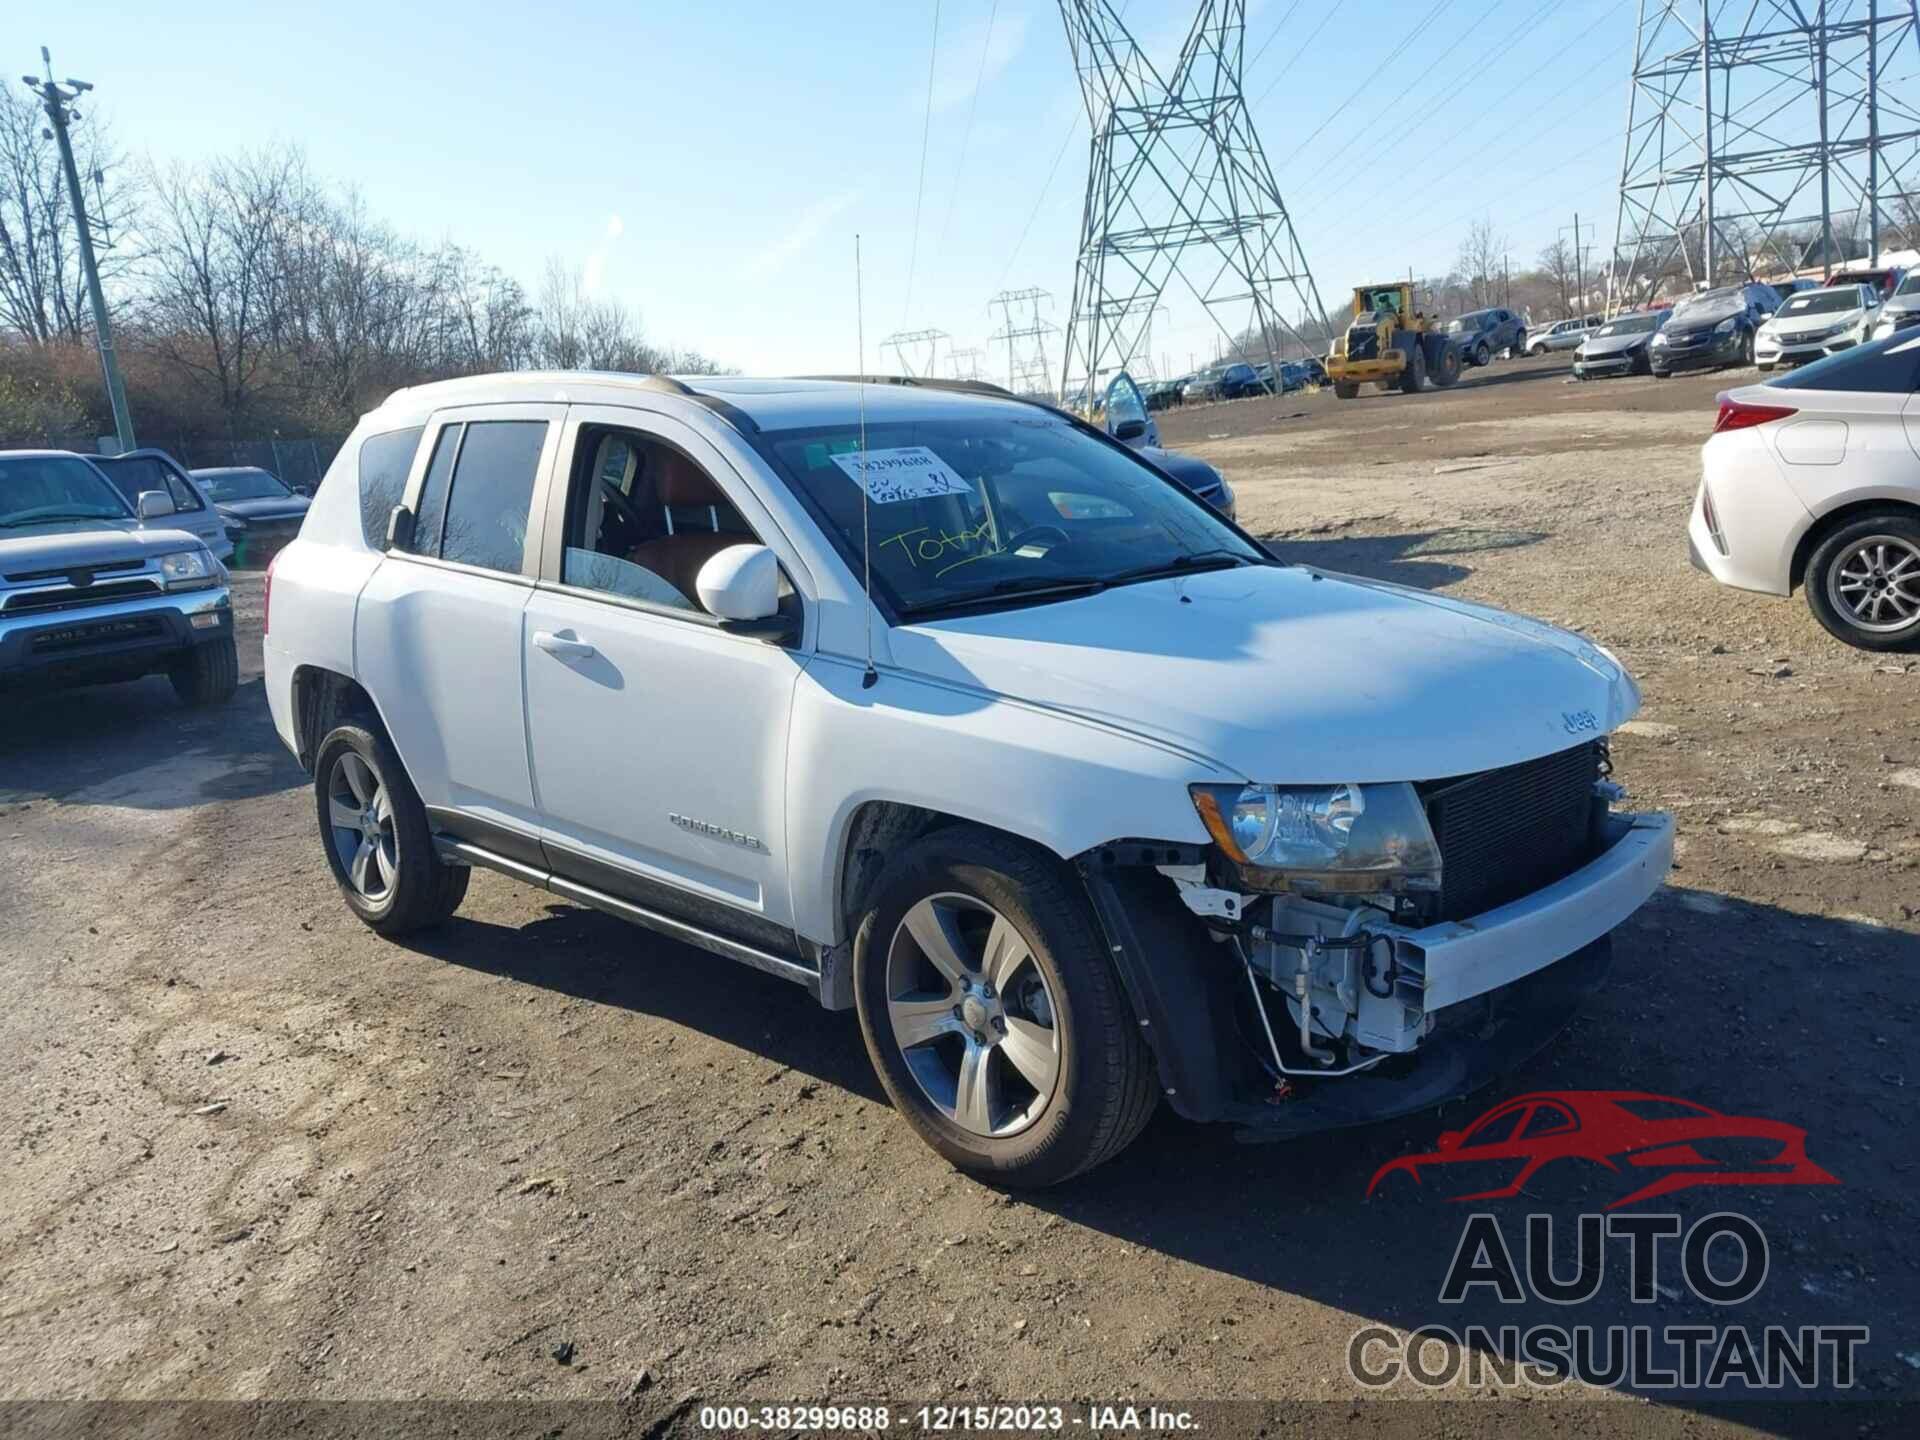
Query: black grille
(1363, 343)
(1508, 832)
(60, 572)
(97, 632)
(35, 601)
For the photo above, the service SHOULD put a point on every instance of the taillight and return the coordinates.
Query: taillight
(1739, 415)
(266, 599)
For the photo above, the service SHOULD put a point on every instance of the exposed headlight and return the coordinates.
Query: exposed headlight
(1725, 327)
(187, 569)
(1352, 838)
(1660, 337)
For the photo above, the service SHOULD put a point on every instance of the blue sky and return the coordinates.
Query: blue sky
(710, 163)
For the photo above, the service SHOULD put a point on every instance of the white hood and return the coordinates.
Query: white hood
(1292, 676)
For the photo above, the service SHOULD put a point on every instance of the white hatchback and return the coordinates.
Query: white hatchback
(1814, 479)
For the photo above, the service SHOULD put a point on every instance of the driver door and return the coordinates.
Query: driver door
(1128, 419)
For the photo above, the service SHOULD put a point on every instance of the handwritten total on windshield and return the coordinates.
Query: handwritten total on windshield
(936, 545)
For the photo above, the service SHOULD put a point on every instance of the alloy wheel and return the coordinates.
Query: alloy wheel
(1876, 584)
(360, 822)
(973, 1015)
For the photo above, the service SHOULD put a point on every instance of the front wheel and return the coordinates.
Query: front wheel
(1537, 351)
(1482, 356)
(992, 1014)
(208, 675)
(1347, 389)
(1445, 370)
(375, 834)
(1413, 376)
(1863, 581)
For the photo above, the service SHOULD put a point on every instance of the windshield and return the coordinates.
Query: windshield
(39, 488)
(1709, 306)
(1632, 325)
(1821, 302)
(1910, 285)
(241, 485)
(1470, 322)
(982, 510)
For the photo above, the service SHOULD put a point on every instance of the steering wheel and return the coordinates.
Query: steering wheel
(1060, 536)
(623, 506)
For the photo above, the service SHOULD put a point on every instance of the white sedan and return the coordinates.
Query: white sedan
(1813, 479)
(1813, 323)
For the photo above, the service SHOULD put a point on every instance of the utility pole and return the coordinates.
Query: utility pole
(1579, 267)
(58, 100)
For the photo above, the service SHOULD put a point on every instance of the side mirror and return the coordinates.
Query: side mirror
(1129, 429)
(154, 505)
(741, 587)
(400, 528)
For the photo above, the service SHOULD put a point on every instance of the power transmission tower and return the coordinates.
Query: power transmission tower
(911, 345)
(1753, 129)
(966, 363)
(1028, 372)
(1177, 186)
(57, 100)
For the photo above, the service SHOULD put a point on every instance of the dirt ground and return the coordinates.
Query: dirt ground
(254, 1151)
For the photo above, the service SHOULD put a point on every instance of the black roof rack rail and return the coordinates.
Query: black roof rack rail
(666, 383)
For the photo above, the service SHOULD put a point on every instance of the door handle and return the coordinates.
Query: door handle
(565, 646)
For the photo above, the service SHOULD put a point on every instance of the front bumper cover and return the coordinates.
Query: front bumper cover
(55, 648)
(1500, 986)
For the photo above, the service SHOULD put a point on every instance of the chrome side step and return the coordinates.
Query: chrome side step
(466, 852)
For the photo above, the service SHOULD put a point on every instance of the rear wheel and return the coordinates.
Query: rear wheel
(993, 1015)
(374, 831)
(208, 675)
(1863, 581)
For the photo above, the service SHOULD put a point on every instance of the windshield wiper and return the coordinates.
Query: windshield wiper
(1189, 564)
(1022, 588)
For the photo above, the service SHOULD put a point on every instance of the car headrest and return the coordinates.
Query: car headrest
(678, 481)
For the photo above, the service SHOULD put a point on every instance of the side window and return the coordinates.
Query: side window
(492, 494)
(642, 519)
(431, 517)
(384, 463)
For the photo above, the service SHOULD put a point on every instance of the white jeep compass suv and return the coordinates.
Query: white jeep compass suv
(951, 708)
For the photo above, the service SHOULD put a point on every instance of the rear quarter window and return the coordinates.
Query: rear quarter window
(384, 462)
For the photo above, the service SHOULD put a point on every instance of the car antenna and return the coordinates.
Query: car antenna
(872, 676)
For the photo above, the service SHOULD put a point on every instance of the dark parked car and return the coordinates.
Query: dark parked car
(1479, 333)
(1128, 421)
(264, 508)
(1712, 329)
(1619, 347)
(1227, 381)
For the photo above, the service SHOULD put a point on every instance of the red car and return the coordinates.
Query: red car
(1680, 1143)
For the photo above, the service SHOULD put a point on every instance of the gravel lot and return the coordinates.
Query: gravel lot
(254, 1151)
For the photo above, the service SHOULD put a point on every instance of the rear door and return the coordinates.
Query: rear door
(438, 631)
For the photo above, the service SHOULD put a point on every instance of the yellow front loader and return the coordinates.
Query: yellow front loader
(1390, 344)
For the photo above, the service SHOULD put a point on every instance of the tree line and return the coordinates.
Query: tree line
(250, 297)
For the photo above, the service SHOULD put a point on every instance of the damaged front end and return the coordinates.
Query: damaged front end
(1417, 941)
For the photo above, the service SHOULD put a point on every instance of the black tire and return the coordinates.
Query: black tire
(421, 891)
(1445, 371)
(1413, 377)
(1347, 389)
(1746, 352)
(1106, 1086)
(1537, 351)
(208, 675)
(1482, 356)
(1898, 528)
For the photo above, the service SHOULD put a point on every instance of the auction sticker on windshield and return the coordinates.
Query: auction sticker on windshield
(911, 472)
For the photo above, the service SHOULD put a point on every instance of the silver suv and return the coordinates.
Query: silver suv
(92, 590)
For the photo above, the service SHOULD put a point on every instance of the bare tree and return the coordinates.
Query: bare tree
(212, 282)
(1558, 263)
(42, 291)
(1482, 256)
